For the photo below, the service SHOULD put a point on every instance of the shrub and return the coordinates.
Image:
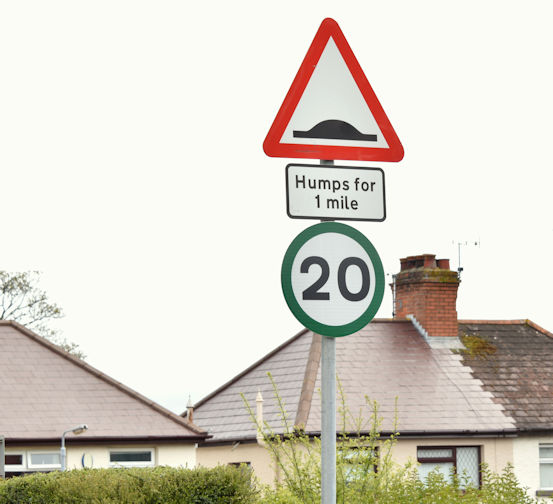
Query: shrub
(365, 469)
(160, 485)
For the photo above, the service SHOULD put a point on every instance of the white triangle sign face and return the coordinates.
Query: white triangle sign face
(331, 111)
(332, 93)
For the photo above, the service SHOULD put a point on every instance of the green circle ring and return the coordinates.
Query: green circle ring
(286, 279)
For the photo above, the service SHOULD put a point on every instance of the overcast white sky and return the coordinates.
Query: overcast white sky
(133, 176)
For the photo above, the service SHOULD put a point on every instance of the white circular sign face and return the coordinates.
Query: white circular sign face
(332, 279)
(334, 248)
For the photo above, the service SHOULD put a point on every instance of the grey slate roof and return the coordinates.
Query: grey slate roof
(45, 391)
(225, 412)
(517, 370)
(388, 359)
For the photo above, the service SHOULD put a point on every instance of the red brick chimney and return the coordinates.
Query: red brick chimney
(427, 289)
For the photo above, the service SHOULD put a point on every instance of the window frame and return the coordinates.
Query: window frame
(240, 464)
(452, 459)
(15, 467)
(39, 467)
(544, 460)
(350, 455)
(151, 463)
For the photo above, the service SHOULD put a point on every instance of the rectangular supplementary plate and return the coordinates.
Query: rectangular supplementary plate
(335, 193)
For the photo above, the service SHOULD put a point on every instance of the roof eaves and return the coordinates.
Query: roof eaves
(411, 434)
(536, 430)
(102, 376)
(105, 440)
(509, 432)
(229, 441)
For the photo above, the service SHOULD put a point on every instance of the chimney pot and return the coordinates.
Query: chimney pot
(419, 261)
(443, 264)
(190, 410)
(429, 260)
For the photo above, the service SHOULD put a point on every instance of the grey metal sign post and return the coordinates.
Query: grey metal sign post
(332, 277)
(328, 420)
(333, 282)
(2, 457)
(328, 414)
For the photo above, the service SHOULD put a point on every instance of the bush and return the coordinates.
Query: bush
(365, 469)
(160, 485)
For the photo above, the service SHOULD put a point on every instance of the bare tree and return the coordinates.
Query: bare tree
(24, 302)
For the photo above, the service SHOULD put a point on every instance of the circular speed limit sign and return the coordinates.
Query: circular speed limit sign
(332, 279)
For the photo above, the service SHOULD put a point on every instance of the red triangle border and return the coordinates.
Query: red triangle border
(272, 146)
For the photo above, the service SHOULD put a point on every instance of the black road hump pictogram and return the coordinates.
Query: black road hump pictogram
(335, 130)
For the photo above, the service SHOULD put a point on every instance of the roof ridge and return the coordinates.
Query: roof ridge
(388, 319)
(527, 322)
(250, 368)
(491, 321)
(104, 377)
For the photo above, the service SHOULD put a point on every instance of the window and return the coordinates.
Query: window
(132, 458)
(461, 460)
(359, 461)
(14, 461)
(18, 463)
(240, 464)
(245, 467)
(546, 466)
(44, 460)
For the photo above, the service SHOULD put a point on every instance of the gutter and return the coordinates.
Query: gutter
(414, 434)
(103, 440)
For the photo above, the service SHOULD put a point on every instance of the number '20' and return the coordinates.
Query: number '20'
(314, 293)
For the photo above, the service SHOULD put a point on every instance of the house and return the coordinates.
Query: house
(46, 392)
(514, 361)
(464, 392)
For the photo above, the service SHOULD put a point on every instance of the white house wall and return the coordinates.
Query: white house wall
(496, 452)
(526, 459)
(164, 455)
(177, 456)
(97, 456)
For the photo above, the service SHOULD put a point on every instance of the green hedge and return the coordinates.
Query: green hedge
(160, 485)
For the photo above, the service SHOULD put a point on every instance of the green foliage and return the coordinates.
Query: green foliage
(22, 301)
(160, 485)
(365, 469)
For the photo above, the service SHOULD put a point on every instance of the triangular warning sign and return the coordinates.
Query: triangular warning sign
(331, 111)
